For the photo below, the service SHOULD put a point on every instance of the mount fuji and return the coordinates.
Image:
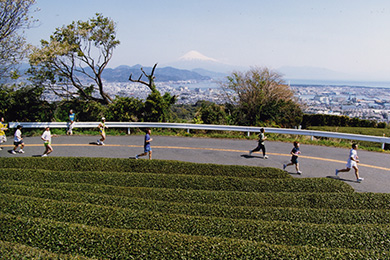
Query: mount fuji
(196, 61)
(196, 56)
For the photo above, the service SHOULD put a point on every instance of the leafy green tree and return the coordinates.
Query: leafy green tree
(5, 99)
(14, 17)
(258, 96)
(157, 107)
(84, 110)
(24, 103)
(211, 113)
(125, 109)
(71, 63)
(183, 113)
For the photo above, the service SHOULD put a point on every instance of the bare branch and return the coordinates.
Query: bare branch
(138, 80)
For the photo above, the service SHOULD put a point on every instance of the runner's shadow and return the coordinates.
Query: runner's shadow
(340, 179)
(93, 143)
(10, 151)
(247, 156)
(37, 155)
(293, 173)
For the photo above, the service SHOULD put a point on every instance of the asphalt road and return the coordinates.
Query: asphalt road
(315, 161)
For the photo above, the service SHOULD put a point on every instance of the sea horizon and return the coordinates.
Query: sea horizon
(346, 83)
(300, 82)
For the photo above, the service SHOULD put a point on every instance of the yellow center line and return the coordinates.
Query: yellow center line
(214, 149)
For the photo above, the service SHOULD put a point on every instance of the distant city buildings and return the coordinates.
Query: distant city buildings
(361, 102)
(187, 92)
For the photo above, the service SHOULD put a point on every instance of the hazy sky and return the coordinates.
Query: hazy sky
(351, 36)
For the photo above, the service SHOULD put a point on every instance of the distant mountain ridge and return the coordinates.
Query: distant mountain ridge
(123, 72)
(195, 66)
(163, 74)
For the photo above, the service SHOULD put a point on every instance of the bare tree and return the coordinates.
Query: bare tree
(260, 95)
(72, 62)
(157, 107)
(14, 17)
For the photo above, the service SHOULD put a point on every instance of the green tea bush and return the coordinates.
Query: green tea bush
(66, 238)
(274, 232)
(147, 166)
(19, 251)
(39, 207)
(91, 193)
(187, 182)
(97, 208)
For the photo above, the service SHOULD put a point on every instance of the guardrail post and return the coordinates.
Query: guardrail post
(312, 138)
(128, 130)
(383, 146)
(248, 134)
(188, 131)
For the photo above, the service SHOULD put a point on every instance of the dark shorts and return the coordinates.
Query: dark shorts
(294, 160)
(147, 149)
(18, 143)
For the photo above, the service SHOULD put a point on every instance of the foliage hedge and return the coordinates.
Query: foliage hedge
(335, 120)
(98, 242)
(19, 251)
(283, 232)
(309, 215)
(125, 209)
(117, 195)
(188, 182)
(146, 166)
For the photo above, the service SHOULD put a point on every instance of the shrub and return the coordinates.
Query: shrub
(19, 251)
(151, 166)
(186, 182)
(66, 238)
(121, 209)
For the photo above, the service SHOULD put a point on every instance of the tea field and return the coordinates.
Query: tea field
(101, 208)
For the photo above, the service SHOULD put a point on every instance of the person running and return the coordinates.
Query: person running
(3, 128)
(147, 148)
(261, 145)
(352, 162)
(71, 122)
(46, 137)
(18, 140)
(102, 129)
(294, 157)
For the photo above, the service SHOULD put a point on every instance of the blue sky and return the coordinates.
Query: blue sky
(350, 36)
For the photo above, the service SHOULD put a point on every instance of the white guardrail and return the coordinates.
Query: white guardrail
(247, 129)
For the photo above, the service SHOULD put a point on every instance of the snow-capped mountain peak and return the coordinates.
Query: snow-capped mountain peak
(196, 60)
(195, 56)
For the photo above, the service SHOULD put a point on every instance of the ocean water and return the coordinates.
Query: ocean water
(368, 84)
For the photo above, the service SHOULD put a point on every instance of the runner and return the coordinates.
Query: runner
(3, 127)
(18, 140)
(294, 158)
(352, 162)
(71, 123)
(147, 148)
(261, 145)
(46, 137)
(102, 129)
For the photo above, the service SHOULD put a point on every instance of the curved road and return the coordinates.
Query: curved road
(315, 161)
